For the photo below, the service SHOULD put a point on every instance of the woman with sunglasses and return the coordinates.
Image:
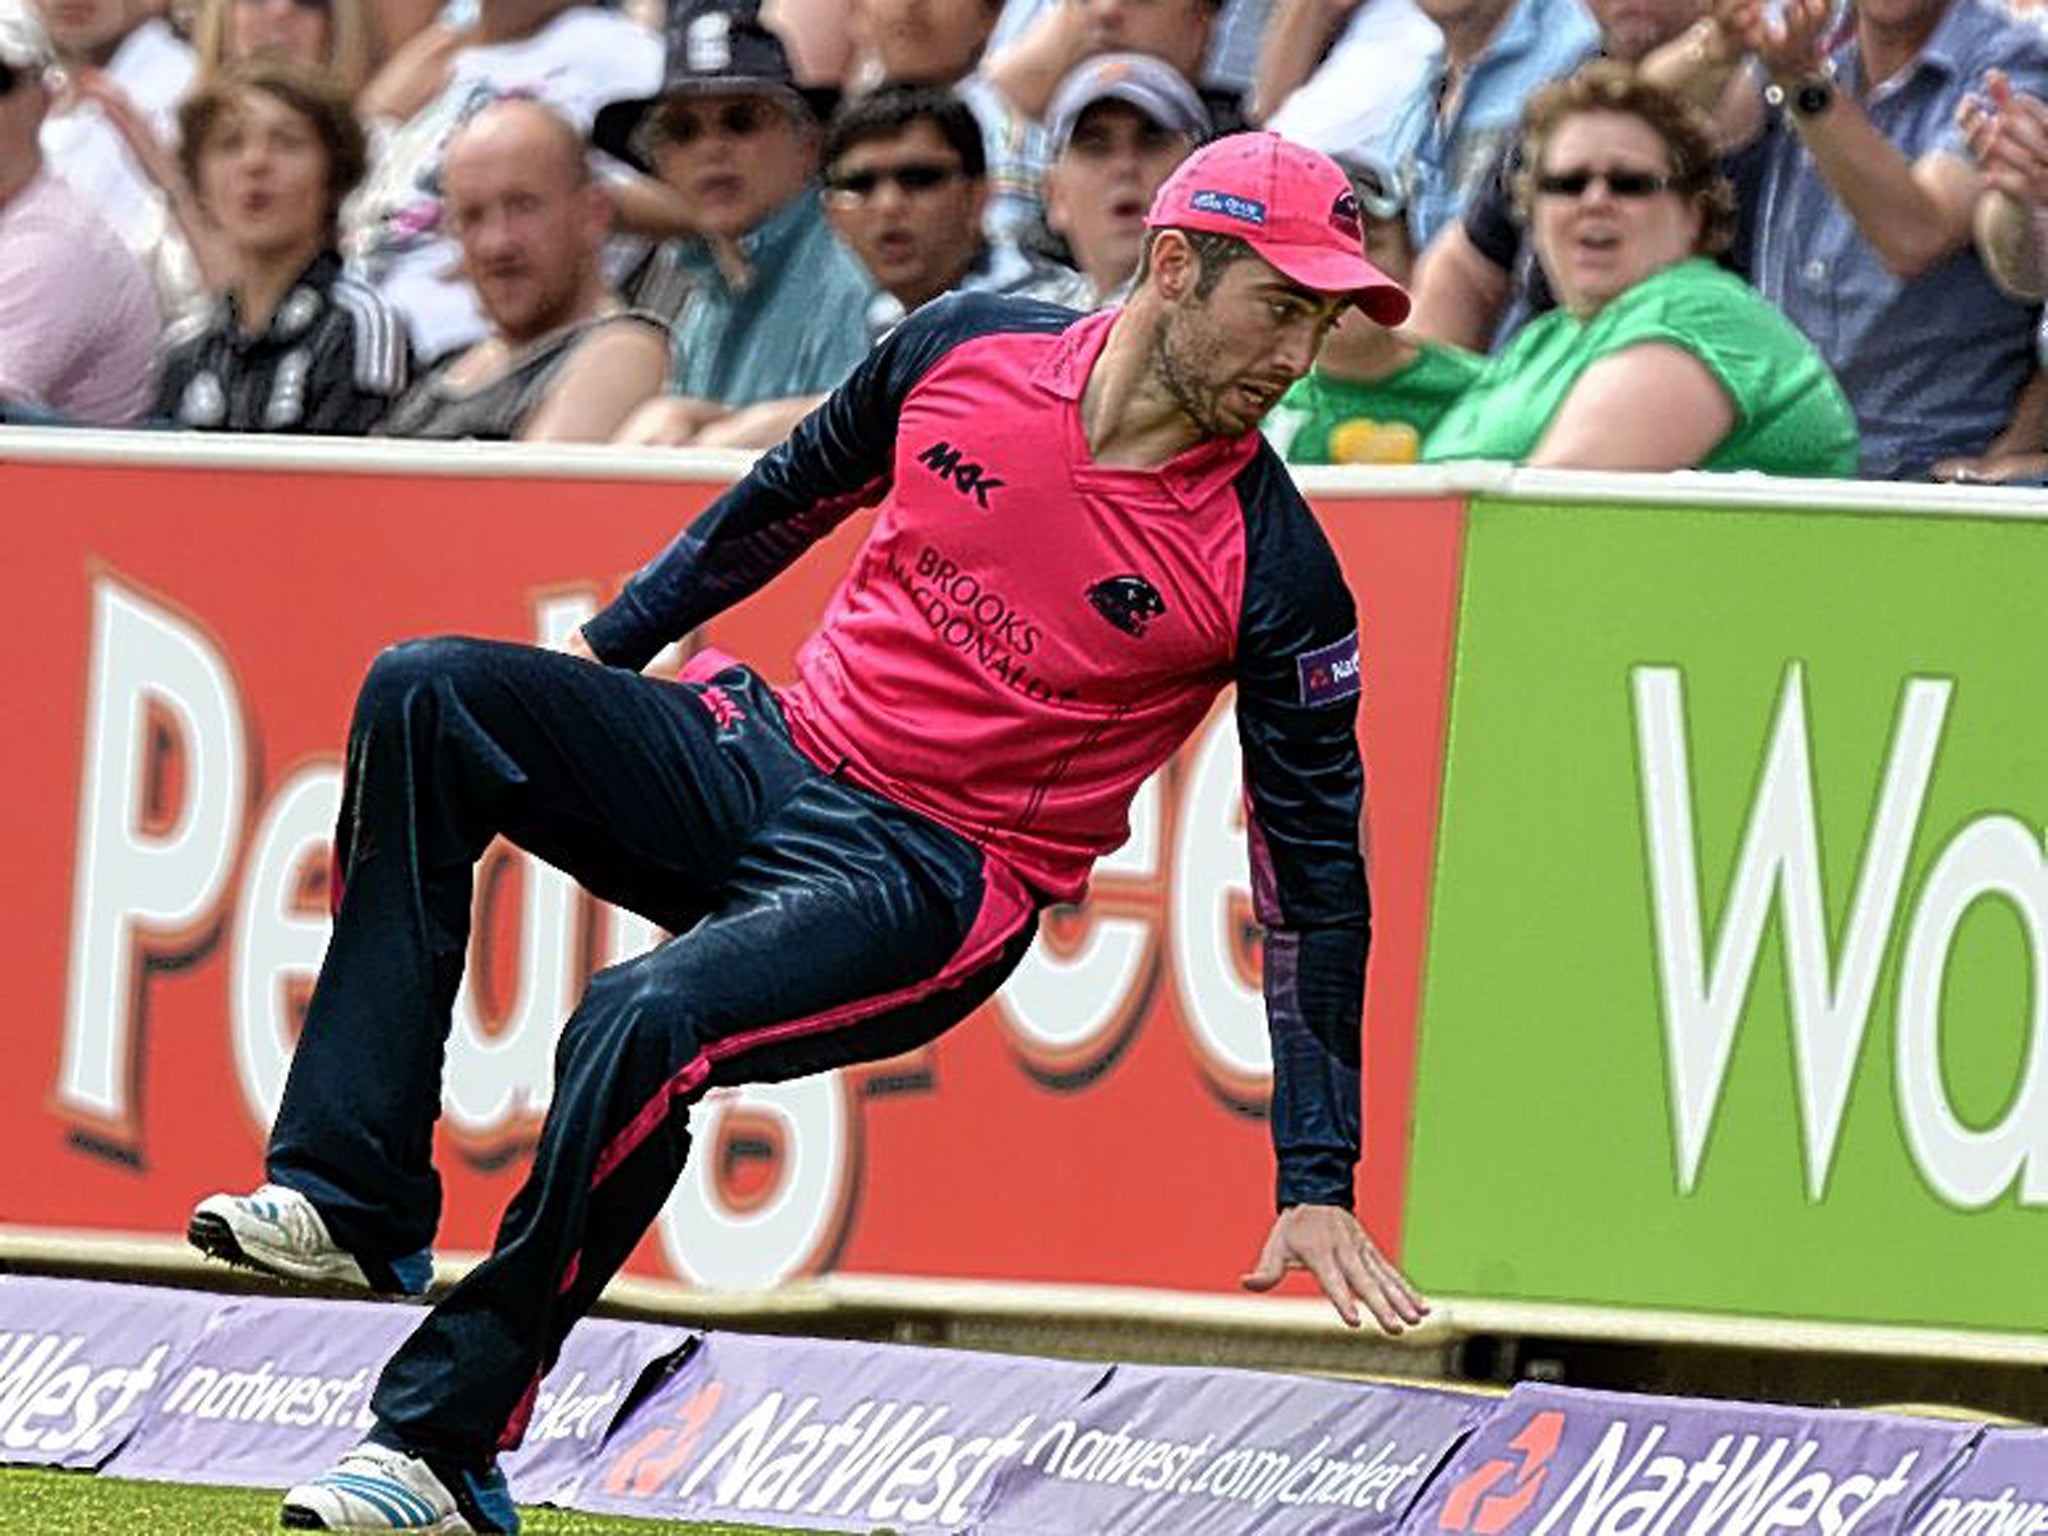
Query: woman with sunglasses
(1655, 358)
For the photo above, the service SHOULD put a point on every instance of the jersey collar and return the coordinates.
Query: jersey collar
(1191, 476)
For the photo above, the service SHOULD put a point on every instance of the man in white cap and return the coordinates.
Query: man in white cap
(78, 320)
(1081, 538)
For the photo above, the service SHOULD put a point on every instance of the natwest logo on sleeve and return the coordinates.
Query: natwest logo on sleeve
(1604, 1465)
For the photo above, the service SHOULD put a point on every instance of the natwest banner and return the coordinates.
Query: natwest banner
(277, 1388)
(1158, 1452)
(2001, 1491)
(1554, 1462)
(81, 1362)
(830, 1436)
(172, 780)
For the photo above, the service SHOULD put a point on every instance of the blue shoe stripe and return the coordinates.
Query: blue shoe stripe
(398, 1505)
(395, 1502)
(370, 1495)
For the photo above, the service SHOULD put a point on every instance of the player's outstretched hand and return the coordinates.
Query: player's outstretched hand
(1328, 1242)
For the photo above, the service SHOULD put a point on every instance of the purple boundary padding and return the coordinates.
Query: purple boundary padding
(1162, 1452)
(81, 1361)
(835, 1436)
(2002, 1490)
(147, 1382)
(1558, 1462)
(279, 1387)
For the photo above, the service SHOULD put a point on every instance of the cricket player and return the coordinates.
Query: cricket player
(1081, 539)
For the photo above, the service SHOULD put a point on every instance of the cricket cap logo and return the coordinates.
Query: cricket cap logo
(1490, 1499)
(1128, 602)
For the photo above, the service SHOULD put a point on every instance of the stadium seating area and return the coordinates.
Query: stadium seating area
(286, 215)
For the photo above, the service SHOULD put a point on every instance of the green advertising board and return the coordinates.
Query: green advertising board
(1737, 989)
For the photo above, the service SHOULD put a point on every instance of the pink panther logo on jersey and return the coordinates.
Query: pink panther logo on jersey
(1128, 602)
(1329, 674)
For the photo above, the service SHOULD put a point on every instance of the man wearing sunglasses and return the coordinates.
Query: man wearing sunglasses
(78, 320)
(776, 306)
(906, 186)
(1080, 539)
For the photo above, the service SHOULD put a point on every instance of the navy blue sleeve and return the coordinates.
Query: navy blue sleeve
(837, 460)
(1297, 720)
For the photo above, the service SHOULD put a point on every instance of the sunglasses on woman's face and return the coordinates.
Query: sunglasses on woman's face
(735, 120)
(9, 78)
(1623, 184)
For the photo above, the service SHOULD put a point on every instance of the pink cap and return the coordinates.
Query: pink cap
(1292, 205)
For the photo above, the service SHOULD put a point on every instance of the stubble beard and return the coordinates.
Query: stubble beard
(1196, 398)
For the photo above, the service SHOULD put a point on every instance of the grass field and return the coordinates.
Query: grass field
(36, 1503)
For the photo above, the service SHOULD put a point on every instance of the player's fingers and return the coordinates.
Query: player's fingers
(1390, 1282)
(1365, 1283)
(1336, 1285)
(1271, 1267)
(1403, 1295)
(1999, 86)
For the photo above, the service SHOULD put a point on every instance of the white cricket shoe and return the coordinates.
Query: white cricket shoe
(280, 1231)
(376, 1488)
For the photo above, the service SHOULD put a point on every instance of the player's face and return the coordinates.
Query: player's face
(1594, 244)
(908, 210)
(527, 230)
(290, 29)
(934, 41)
(1101, 186)
(1227, 358)
(734, 158)
(263, 177)
(1174, 30)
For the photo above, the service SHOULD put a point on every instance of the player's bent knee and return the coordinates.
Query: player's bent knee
(625, 1010)
(401, 670)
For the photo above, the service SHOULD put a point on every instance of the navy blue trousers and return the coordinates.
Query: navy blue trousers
(817, 925)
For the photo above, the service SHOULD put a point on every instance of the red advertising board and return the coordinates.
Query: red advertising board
(188, 641)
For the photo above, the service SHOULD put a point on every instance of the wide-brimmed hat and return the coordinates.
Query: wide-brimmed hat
(714, 47)
(1291, 204)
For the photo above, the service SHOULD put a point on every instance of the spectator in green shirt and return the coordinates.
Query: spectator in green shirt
(1655, 358)
(1374, 393)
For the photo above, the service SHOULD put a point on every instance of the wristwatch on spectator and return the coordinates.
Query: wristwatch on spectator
(1807, 97)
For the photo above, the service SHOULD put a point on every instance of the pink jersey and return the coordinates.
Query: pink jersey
(1026, 635)
(1022, 701)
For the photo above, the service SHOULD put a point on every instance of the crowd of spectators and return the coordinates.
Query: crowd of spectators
(1801, 236)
